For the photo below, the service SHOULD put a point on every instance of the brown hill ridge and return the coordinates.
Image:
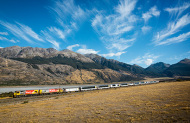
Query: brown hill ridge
(27, 66)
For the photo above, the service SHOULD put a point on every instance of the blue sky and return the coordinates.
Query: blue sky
(139, 32)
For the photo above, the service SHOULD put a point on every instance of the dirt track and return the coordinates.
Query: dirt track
(163, 102)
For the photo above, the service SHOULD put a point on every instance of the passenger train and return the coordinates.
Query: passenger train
(75, 89)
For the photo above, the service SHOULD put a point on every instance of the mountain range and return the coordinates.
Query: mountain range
(32, 66)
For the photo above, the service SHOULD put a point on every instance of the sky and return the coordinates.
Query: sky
(141, 32)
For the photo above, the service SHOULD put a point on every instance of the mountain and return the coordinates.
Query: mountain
(29, 52)
(181, 68)
(27, 66)
(157, 69)
(116, 65)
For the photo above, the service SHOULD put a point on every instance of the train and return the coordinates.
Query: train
(37, 92)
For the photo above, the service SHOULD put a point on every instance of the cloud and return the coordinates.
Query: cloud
(152, 12)
(145, 29)
(178, 10)
(3, 38)
(72, 46)
(178, 39)
(6, 39)
(113, 27)
(147, 59)
(1, 47)
(28, 31)
(22, 31)
(113, 54)
(87, 51)
(4, 33)
(58, 32)
(51, 40)
(68, 14)
(172, 28)
(126, 7)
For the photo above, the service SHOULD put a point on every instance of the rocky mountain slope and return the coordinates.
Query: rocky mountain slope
(157, 69)
(181, 68)
(27, 65)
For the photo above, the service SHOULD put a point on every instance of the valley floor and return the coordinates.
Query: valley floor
(162, 102)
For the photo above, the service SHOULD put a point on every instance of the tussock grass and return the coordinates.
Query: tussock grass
(163, 102)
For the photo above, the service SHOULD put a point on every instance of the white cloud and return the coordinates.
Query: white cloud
(147, 59)
(68, 14)
(126, 7)
(152, 12)
(111, 28)
(21, 31)
(172, 28)
(87, 51)
(145, 29)
(28, 31)
(57, 32)
(178, 10)
(1, 47)
(6, 39)
(4, 33)
(3, 38)
(113, 54)
(72, 46)
(51, 39)
(178, 39)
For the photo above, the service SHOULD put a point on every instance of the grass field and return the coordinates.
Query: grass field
(162, 102)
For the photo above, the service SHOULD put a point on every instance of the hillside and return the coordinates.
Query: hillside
(27, 65)
(181, 68)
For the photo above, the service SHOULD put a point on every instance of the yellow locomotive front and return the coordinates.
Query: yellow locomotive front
(25, 93)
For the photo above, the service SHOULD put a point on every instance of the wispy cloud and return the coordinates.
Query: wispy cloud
(178, 39)
(152, 12)
(172, 28)
(87, 51)
(4, 33)
(126, 7)
(111, 28)
(68, 14)
(6, 39)
(178, 10)
(147, 59)
(72, 46)
(51, 40)
(145, 29)
(58, 32)
(22, 31)
(112, 54)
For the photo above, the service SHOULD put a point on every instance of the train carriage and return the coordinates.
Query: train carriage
(136, 83)
(87, 88)
(103, 86)
(115, 85)
(71, 90)
(124, 84)
(130, 84)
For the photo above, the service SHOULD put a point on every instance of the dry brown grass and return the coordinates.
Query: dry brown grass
(163, 102)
